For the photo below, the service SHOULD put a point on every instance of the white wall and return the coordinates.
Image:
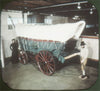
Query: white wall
(8, 35)
(93, 46)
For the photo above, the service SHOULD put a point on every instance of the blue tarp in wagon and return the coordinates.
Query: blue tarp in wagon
(36, 46)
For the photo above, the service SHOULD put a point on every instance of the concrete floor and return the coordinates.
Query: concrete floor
(28, 77)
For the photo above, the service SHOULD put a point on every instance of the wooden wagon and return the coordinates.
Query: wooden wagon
(48, 42)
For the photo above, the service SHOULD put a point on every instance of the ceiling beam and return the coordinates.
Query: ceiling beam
(23, 3)
(38, 2)
(18, 7)
(27, 2)
(58, 5)
(65, 11)
(51, 1)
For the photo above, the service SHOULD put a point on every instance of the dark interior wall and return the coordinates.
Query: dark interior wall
(35, 18)
(40, 19)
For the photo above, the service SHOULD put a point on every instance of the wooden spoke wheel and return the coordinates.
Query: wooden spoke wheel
(23, 58)
(45, 62)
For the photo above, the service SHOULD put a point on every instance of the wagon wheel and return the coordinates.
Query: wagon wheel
(45, 62)
(23, 58)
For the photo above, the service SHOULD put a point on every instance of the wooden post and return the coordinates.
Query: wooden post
(72, 55)
(2, 55)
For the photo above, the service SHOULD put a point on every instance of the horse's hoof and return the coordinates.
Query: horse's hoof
(83, 77)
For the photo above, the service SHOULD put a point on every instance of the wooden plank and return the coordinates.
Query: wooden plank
(91, 37)
(72, 55)
(93, 59)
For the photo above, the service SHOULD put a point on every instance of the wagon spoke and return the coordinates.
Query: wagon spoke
(51, 64)
(45, 62)
(50, 60)
(46, 68)
(46, 54)
(50, 68)
(42, 57)
(49, 57)
(50, 71)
